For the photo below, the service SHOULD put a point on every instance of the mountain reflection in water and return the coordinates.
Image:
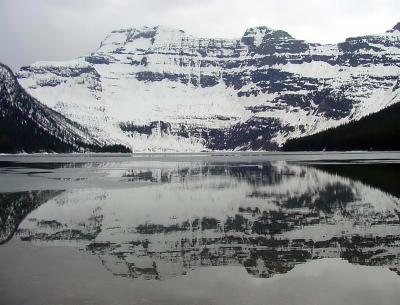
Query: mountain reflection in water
(166, 221)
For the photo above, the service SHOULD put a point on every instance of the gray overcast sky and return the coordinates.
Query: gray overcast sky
(32, 30)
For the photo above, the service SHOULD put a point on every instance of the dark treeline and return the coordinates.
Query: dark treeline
(28, 138)
(378, 131)
(24, 135)
(115, 148)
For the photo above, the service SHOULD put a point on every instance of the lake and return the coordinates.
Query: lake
(207, 228)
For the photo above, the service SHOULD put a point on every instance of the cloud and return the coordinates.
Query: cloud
(65, 29)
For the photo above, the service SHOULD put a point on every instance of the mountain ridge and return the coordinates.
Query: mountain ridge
(250, 93)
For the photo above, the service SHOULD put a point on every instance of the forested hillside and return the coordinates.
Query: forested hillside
(26, 125)
(378, 131)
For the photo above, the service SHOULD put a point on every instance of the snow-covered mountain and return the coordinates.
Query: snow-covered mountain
(160, 89)
(28, 125)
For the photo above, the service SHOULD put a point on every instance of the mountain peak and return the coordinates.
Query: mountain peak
(6, 76)
(260, 28)
(148, 29)
(256, 35)
(140, 37)
(396, 27)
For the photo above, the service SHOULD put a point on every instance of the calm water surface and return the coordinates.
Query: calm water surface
(200, 229)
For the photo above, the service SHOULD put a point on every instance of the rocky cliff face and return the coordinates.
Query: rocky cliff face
(161, 89)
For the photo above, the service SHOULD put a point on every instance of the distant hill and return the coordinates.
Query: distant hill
(26, 125)
(378, 131)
